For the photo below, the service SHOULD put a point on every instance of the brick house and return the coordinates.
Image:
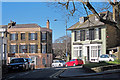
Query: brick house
(30, 41)
(91, 38)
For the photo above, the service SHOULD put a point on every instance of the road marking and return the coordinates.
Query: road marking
(11, 77)
(35, 71)
(55, 75)
(26, 73)
(21, 74)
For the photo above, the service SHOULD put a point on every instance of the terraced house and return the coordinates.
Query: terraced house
(91, 38)
(30, 41)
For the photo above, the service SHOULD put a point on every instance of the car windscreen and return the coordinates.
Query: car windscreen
(61, 61)
(27, 60)
(56, 61)
(16, 60)
(113, 56)
(104, 56)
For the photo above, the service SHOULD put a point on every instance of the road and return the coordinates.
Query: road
(53, 73)
(43, 74)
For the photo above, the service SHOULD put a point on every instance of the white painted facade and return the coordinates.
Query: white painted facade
(89, 51)
(3, 46)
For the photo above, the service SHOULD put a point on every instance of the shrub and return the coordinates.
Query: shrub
(117, 61)
(92, 65)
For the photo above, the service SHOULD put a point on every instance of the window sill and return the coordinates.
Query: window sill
(32, 40)
(13, 40)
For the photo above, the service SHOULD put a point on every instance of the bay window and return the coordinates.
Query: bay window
(77, 51)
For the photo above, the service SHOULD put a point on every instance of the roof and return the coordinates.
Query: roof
(26, 26)
(91, 22)
(3, 26)
(45, 29)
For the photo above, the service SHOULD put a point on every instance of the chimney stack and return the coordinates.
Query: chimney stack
(48, 24)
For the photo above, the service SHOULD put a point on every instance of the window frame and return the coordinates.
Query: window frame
(15, 35)
(34, 36)
(33, 48)
(22, 36)
(15, 50)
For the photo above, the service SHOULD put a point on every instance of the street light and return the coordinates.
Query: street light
(66, 36)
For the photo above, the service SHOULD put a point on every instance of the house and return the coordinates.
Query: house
(3, 49)
(30, 41)
(91, 38)
(3, 44)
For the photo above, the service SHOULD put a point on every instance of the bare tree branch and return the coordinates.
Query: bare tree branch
(111, 2)
(97, 15)
(73, 10)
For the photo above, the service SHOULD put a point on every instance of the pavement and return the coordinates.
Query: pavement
(80, 72)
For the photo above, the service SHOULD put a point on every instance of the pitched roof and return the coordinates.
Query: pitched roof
(26, 26)
(92, 22)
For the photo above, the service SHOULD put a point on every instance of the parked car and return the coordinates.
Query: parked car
(58, 63)
(74, 62)
(106, 57)
(31, 64)
(113, 56)
(18, 64)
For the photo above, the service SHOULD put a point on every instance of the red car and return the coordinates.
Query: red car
(74, 62)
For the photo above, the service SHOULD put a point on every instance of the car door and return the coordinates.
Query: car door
(68, 63)
(71, 62)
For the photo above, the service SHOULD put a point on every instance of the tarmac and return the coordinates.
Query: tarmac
(81, 72)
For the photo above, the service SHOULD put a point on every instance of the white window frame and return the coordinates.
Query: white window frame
(90, 45)
(96, 34)
(77, 48)
(87, 34)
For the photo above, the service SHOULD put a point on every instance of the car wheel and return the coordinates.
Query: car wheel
(66, 65)
(74, 64)
(30, 68)
(24, 68)
(59, 65)
(33, 67)
(110, 60)
(52, 65)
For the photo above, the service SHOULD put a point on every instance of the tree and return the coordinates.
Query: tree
(59, 46)
(115, 5)
(71, 7)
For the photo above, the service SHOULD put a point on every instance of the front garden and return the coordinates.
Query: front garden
(103, 66)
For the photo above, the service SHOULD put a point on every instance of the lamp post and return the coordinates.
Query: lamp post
(66, 42)
(66, 39)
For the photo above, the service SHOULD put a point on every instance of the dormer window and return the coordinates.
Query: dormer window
(83, 19)
(96, 18)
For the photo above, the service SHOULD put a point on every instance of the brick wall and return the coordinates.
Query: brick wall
(111, 37)
(39, 55)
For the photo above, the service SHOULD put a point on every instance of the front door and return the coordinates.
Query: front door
(88, 53)
(33, 58)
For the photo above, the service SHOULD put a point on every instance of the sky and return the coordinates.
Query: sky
(38, 12)
(34, 12)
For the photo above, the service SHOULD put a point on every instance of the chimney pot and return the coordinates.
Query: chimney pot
(48, 24)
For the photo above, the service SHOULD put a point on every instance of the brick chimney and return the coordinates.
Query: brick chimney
(48, 24)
